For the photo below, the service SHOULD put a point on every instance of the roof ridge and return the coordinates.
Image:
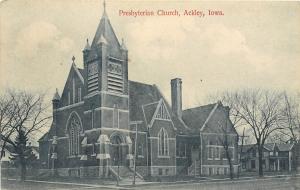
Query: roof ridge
(141, 83)
(150, 104)
(209, 116)
(188, 109)
(78, 73)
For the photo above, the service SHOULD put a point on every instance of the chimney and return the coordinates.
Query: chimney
(176, 95)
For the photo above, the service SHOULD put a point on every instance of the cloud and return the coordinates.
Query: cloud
(208, 56)
(41, 56)
(41, 36)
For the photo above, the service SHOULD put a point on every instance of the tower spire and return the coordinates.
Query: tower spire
(104, 7)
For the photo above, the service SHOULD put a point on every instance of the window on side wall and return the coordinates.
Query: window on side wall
(167, 171)
(160, 171)
(140, 150)
(264, 164)
(163, 143)
(253, 164)
(243, 165)
(210, 153)
(217, 153)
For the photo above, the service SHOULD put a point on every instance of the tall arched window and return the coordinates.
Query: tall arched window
(163, 143)
(74, 130)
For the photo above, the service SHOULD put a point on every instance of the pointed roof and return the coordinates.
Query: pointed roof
(106, 30)
(87, 46)
(102, 40)
(56, 96)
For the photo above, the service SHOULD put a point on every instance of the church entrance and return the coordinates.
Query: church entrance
(195, 153)
(116, 150)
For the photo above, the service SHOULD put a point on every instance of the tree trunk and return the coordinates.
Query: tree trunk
(230, 168)
(229, 162)
(23, 169)
(260, 160)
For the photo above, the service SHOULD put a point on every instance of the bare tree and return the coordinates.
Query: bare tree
(227, 143)
(25, 115)
(7, 113)
(290, 123)
(226, 97)
(260, 110)
(291, 119)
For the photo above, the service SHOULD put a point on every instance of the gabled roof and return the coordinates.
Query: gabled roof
(269, 146)
(162, 105)
(81, 71)
(143, 102)
(196, 117)
(141, 94)
(285, 147)
(149, 111)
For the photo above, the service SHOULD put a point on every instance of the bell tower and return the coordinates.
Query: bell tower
(106, 78)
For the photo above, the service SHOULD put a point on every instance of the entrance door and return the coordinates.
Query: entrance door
(195, 153)
(116, 151)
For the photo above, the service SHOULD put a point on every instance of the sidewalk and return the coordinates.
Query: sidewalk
(108, 184)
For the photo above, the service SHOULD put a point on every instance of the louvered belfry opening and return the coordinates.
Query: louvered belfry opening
(115, 82)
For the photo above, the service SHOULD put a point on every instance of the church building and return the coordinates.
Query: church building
(104, 123)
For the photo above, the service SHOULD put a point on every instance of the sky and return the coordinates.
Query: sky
(253, 45)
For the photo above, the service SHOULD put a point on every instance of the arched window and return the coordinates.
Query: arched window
(140, 150)
(163, 143)
(74, 129)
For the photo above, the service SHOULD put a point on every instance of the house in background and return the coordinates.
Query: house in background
(9, 149)
(102, 120)
(6, 161)
(34, 150)
(276, 157)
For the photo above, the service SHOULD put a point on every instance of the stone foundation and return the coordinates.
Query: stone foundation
(163, 170)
